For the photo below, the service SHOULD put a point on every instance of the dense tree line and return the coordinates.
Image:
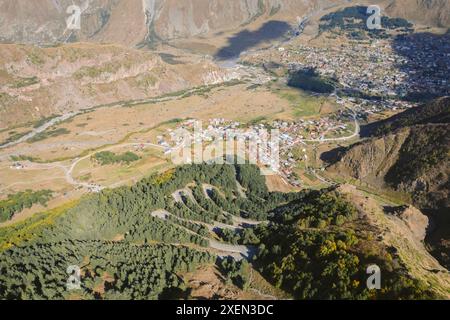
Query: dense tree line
(195, 227)
(94, 219)
(240, 236)
(108, 157)
(21, 200)
(251, 180)
(113, 235)
(306, 252)
(108, 270)
(207, 204)
(180, 210)
(195, 207)
(55, 132)
(317, 209)
(236, 272)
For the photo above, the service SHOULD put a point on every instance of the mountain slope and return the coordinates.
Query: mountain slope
(408, 153)
(317, 245)
(436, 111)
(136, 22)
(434, 13)
(39, 82)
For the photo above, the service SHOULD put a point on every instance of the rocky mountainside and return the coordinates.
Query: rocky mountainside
(139, 22)
(434, 112)
(134, 21)
(40, 82)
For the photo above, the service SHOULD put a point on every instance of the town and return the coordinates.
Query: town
(373, 76)
(274, 142)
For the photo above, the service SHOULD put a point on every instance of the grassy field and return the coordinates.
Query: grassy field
(111, 125)
(110, 175)
(304, 105)
(105, 127)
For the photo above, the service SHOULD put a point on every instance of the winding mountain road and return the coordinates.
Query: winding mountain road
(236, 251)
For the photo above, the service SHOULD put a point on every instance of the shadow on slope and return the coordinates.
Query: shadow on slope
(244, 40)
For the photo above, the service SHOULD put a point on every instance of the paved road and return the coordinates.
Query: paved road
(246, 251)
(236, 251)
(68, 169)
(69, 172)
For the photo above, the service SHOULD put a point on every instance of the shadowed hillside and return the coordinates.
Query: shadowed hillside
(245, 40)
(429, 12)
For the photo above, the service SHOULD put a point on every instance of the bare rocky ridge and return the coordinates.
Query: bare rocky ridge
(44, 21)
(380, 162)
(371, 160)
(130, 22)
(414, 220)
(136, 22)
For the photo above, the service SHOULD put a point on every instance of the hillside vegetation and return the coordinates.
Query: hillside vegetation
(435, 13)
(119, 242)
(108, 157)
(17, 202)
(437, 111)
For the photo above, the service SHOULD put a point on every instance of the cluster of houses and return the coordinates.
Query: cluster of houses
(94, 188)
(376, 76)
(427, 62)
(362, 71)
(274, 152)
(372, 69)
(294, 135)
(316, 129)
